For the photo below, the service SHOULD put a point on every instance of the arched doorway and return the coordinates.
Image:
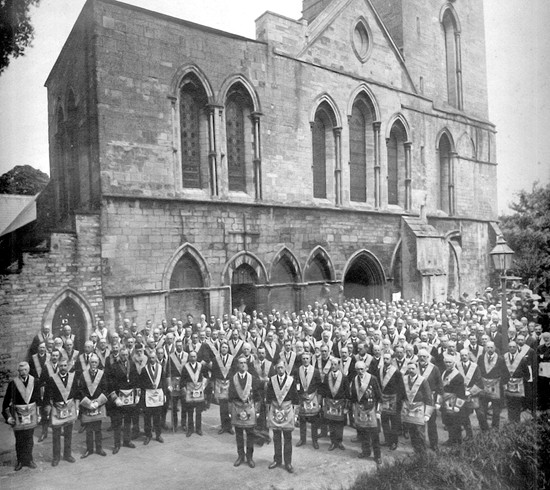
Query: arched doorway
(185, 295)
(70, 312)
(364, 277)
(243, 288)
(284, 277)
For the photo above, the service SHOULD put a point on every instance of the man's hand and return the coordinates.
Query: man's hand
(11, 421)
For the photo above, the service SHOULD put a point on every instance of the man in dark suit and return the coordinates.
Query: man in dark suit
(20, 410)
(244, 395)
(194, 382)
(391, 383)
(122, 380)
(176, 361)
(309, 391)
(473, 385)
(495, 375)
(222, 371)
(366, 397)
(431, 373)
(281, 396)
(452, 399)
(37, 366)
(417, 407)
(514, 390)
(60, 397)
(152, 397)
(335, 399)
(93, 397)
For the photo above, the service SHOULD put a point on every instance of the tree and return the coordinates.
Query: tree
(527, 232)
(16, 31)
(23, 179)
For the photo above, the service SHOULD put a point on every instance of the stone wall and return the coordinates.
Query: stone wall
(72, 266)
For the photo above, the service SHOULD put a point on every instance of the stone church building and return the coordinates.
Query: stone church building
(347, 153)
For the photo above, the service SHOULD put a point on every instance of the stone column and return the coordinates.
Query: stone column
(408, 178)
(338, 165)
(257, 162)
(458, 54)
(452, 160)
(377, 199)
(212, 159)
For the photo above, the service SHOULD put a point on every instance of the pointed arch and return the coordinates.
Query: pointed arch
(365, 91)
(319, 266)
(445, 131)
(327, 104)
(284, 255)
(185, 70)
(450, 26)
(399, 118)
(247, 259)
(364, 276)
(192, 252)
(247, 85)
(68, 295)
(446, 10)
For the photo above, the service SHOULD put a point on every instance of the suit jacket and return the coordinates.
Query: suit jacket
(291, 396)
(424, 393)
(453, 384)
(84, 391)
(373, 390)
(36, 364)
(314, 385)
(13, 396)
(119, 378)
(52, 393)
(255, 394)
(342, 393)
(433, 376)
(499, 370)
(273, 354)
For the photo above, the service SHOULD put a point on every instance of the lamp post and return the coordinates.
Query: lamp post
(502, 256)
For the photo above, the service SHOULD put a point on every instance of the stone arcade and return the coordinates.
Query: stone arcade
(345, 153)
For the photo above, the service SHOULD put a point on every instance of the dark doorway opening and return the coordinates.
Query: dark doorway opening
(243, 288)
(70, 312)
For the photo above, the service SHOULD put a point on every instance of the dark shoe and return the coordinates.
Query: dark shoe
(116, 449)
(32, 465)
(289, 468)
(69, 459)
(131, 445)
(147, 440)
(230, 431)
(393, 447)
(55, 462)
(199, 432)
(341, 446)
(362, 456)
(135, 435)
(189, 432)
(315, 445)
(86, 454)
(301, 442)
(221, 431)
(160, 439)
(332, 447)
(18, 466)
(101, 452)
(238, 461)
(251, 463)
(274, 465)
(378, 461)
(42, 437)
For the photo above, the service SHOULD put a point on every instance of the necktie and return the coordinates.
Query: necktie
(465, 367)
(263, 366)
(512, 359)
(411, 382)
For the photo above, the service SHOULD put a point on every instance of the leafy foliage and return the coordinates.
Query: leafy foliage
(23, 179)
(514, 457)
(16, 31)
(527, 231)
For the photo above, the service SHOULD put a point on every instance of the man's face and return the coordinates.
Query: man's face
(224, 349)
(361, 369)
(490, 348)
(261, 354)
(280, 369)
(288, 346)
(123, 355)
(152, 358)
(344, 353)
(94, 363)
(423, 358)
(55, 357)
(42, 349)
(306, 360)
(334, 365)
(449, 363)
(64, 367)
(193, 357)
(324, 353)
(46, 329)
(411, 369)
(243, 365)
(246, 350)
(69, 345)
(115, 349)
(399, 353)
(387, 359)
(23, 370)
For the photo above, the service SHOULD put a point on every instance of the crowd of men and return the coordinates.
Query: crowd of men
(399, 368)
